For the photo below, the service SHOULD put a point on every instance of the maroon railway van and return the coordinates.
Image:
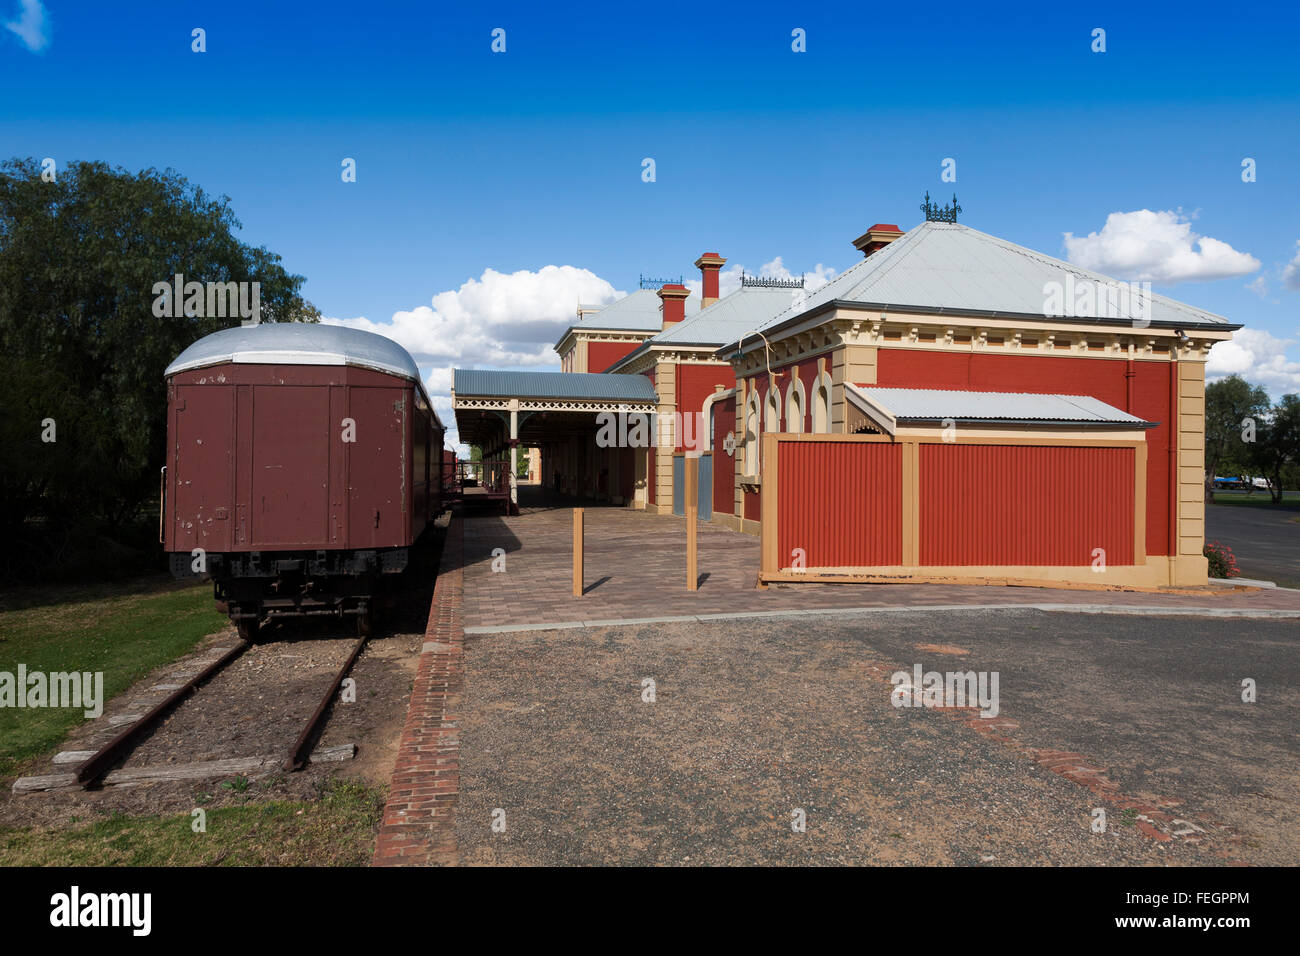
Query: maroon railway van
(303, 461)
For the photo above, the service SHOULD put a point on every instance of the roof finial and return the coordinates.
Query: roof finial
(935, 213)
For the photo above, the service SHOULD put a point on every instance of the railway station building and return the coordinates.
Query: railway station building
(954, 407)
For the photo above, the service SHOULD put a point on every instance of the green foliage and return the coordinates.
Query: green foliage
(79, 342)
(1276, 450)
(1228, 403)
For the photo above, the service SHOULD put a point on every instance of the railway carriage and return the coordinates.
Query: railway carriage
(303, 463)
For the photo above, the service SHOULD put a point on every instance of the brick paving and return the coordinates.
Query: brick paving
(636, 568)
(418, 818)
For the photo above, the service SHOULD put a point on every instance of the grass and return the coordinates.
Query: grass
(123, 633)
(336, 830)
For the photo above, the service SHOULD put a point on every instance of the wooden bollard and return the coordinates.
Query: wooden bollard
(577, 552)
(692, 496)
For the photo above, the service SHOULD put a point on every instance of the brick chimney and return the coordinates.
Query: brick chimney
(877, 237)
(673, 297)
(709, 264)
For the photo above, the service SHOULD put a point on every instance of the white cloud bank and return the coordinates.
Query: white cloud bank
(1258, 357)
(512, 320)
(1156, 247)
(499, 320)
(32, 26)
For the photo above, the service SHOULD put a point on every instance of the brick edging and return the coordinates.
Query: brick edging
(418, 827)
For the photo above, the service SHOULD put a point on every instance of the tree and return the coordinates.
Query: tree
(1277, 443)
(1234, 410)
(79, 341)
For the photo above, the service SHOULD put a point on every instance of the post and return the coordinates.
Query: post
(577, 552)
(691, 495)
(514, 455)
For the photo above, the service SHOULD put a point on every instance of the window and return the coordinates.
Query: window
(794, 407)
(821, 410)
(751, 434)
(773, 423)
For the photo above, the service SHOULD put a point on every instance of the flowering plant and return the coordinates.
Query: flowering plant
(1223, 564)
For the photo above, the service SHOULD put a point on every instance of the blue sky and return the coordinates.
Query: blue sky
(473, 166)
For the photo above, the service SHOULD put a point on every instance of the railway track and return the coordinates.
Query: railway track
(94, 767)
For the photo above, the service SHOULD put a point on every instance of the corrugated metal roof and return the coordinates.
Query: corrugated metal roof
(935, 404)
(564, 385)
(638, 312)
(941, 265)
(748, 308)
(297, 343)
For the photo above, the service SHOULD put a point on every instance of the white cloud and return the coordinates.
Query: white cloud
(498, 320)
(1291, 274)
(513, 320)
(1156, 247)
(32, 26)
(1258, 357)
(1259, 286)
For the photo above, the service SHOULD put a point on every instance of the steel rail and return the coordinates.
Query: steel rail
(299, 755)
(95, 766)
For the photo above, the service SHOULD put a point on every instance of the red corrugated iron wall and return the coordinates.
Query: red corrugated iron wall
(1025, 504)
(841, 502)
(1146, 395)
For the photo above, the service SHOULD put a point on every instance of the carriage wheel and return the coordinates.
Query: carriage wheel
(248, 628)
(365, 621)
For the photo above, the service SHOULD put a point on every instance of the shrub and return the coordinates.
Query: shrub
(1223, 564)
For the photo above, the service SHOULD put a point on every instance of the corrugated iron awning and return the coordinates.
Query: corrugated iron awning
(887, 408)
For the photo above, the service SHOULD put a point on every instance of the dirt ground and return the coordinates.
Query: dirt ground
(255, 707)
(755, 720)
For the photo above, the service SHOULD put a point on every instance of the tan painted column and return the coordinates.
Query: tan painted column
(665, 436)
(849, 363)
(1191, 567)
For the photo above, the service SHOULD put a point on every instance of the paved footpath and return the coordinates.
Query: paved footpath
(636, 569)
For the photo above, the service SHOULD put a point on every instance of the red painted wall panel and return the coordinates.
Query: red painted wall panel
(1147, 395)
(1025, 505)
(841, 502)
(695, 383)
(601, 355)
(724, 465)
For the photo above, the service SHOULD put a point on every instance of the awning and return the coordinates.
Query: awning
(887, 408)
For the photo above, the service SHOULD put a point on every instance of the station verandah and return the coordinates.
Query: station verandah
(561, 414)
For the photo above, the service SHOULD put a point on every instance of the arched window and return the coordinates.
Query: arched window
(821, 410)
(794, 405)
(751, 434)
(773, 419)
